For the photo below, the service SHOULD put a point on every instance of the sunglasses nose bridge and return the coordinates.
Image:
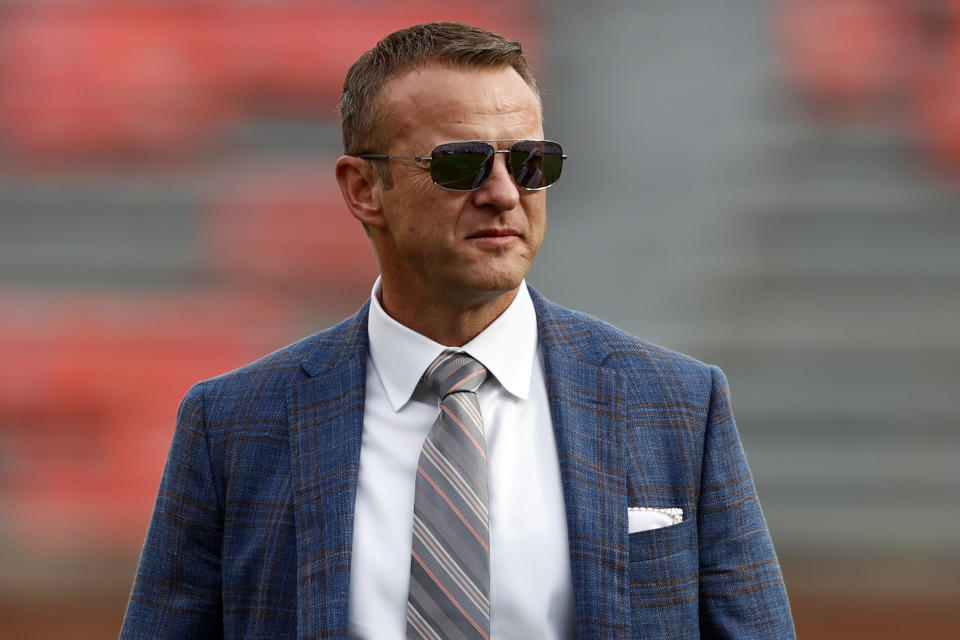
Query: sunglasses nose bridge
(506, 160)
(498, 189)
(492, 161)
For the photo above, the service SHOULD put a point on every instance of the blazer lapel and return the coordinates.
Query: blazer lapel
(588, 413)
(325, 414)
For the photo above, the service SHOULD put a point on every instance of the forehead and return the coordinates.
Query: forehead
(438, 103)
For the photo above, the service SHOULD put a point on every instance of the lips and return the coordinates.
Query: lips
(493, 233)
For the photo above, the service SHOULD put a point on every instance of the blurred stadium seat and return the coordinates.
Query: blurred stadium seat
(110, 78)
(935, 103)
(275, 53)
(864, 59)
(88, 394)
(98, 79)
(847, 58)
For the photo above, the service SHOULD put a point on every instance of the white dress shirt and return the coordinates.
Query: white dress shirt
(531, 590)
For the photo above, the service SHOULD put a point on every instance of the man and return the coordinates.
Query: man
(462, 458)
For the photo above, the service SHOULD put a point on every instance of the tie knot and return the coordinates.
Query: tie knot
(454, 371)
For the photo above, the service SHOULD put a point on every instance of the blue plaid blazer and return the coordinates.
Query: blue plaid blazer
(252, 529)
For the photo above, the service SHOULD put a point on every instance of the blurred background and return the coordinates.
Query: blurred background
(769, 185)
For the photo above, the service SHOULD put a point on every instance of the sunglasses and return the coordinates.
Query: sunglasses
(465, 166)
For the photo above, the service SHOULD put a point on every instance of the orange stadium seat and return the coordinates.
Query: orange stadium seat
(847, 57)
(297, 52)
(82, 80)
(88, 394)
(935, 105)
(121, 78)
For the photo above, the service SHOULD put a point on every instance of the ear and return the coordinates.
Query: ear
(361, 190)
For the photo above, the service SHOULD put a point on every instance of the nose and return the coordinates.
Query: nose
(499, 190)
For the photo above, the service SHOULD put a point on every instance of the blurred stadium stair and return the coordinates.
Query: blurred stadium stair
(841, 339)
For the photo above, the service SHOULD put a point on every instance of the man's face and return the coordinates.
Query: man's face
(462, 248)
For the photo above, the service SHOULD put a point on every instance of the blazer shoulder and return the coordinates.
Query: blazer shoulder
(274, 372)
(596, 341)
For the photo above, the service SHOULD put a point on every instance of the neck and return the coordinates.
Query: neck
(447, 323)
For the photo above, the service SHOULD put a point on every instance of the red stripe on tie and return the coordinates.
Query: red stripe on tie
(466, 431)
(450, 564)
(450, 472)
(450, 597)
(455, 510)
(472, 375)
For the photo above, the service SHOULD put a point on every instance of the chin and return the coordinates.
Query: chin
(497, 283)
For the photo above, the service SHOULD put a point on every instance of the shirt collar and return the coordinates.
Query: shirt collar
(507, 348)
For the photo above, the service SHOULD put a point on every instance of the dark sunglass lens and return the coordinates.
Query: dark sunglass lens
(461, 166)
(536, 164)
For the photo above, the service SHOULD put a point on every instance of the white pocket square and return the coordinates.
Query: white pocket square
(647, 518)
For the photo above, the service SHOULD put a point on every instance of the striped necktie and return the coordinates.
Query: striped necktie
(450, 563)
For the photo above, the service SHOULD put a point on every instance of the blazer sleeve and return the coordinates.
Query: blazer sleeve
(742, 594)
(176, 593)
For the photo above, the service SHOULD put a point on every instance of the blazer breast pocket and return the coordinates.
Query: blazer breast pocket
(664, 582)
(661, 542)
